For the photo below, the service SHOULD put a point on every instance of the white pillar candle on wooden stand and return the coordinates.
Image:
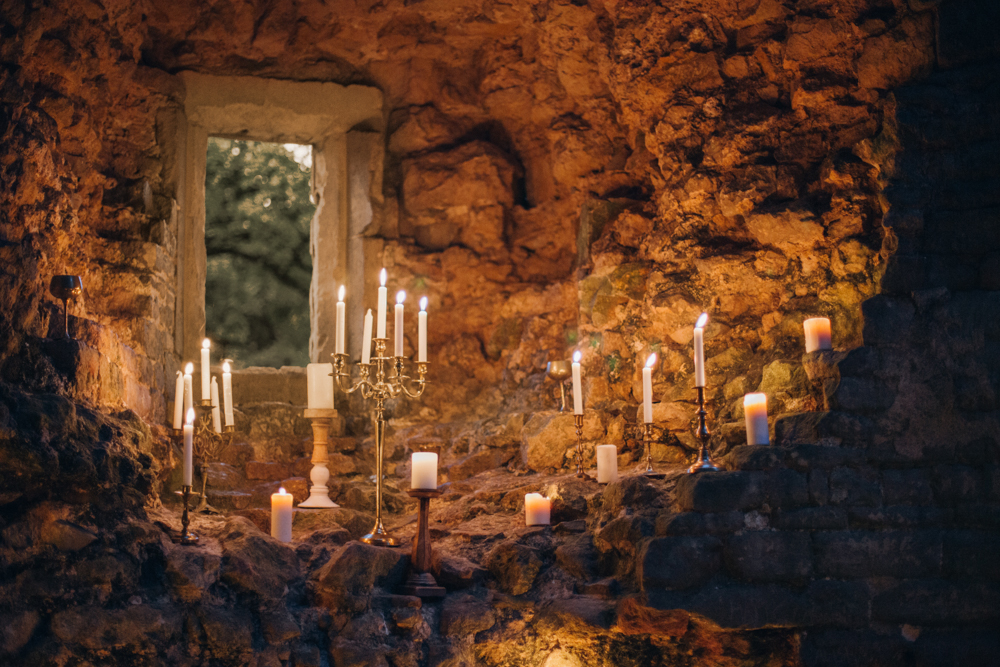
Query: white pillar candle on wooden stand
(537, 509)
(817, 330)
(423, 470)
(607, 464)
(319, 386)
(755, 409)
(281, 515)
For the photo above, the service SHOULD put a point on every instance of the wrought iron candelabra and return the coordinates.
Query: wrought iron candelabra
(704, 462)
(381, 379)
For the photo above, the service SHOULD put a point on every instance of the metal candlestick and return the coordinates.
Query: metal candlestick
(383, 387)
(560, 371)
(319, 493)
(65, 288)
(186, 537)
(208, 445)
(647, 439)
(578, 419)
(704, 463)
(421, 582)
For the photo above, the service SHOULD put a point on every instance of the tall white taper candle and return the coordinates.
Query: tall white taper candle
(206, 370)
(398, 323)
(366, 349)
(422, 330)
(227, 393)
(647, 389)
(189, 447)
(188, 387)
(179, 402)
(577, 384)
(216, 413)
(381, 304)
(699, 350)
(341, 321)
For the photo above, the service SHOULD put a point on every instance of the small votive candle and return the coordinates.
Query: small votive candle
(607, 464)
(817, 334)
(424, 470)
(281, 515)
(537, 509)
(755, 409)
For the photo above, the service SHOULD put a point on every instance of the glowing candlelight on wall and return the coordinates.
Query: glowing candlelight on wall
(577, 385)
(647, 389)
(699, 350)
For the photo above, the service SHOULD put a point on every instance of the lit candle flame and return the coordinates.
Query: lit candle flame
(383, 277)
(342, 293)
(577, 356)
(651, 361)
(702, 321)
(281, 491)
(206, 343)
(189, 368)
(423, 303)
(400, 296)
(190, 417)
(225, 366)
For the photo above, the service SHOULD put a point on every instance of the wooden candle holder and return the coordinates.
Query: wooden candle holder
(421, 582)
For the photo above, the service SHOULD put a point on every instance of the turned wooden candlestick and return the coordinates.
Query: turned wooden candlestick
(421, 582)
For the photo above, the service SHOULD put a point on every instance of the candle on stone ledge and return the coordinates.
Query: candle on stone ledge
(423, 470)
(189, 447)
(381, 304)
(216, 414)
(398, 323)
(319, 386)
(817, 330)
(227, 393)
(179, 402)
(341, 320)
(607, 464)
(577, 384)
(206, 370)
(699, 350)
(281, 515)
(755, 409)
(188, 387)
(647, 389)
(422, 330)
(366, 349)
(537, 509)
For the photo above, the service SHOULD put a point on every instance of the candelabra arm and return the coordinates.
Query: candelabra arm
(421, 380)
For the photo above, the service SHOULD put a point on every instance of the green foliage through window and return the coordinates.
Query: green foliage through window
(257, 223)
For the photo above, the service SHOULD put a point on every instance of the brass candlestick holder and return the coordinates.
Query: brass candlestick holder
(647, 439)
(319, 492)
(704, 463)
(560, 371)
(381, 388)
(578, 419)
(186, 537)
(420, 581)
(65, 288)
(207, 445)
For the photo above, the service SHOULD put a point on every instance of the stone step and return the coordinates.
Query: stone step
(228, 500)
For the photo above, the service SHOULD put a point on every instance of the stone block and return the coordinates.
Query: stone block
(455, 572)
(481, 461)
(811, 518)
(768, 556)
(971, 553)
(854, 648)
(887, 320)
(854, 487)
(859, 362)
(697, 523)
(720, 491)
(753, 457)
(548, 435)
(785, 488)
(898, 516)
(353, 572)
(578, 613)
(16, 629)
(751, 606)
(465, 615)
(937, 602)
(578, 557)
(256, 564)
(808, 428)
(279, 626)
(906, 487)
(956, 483)
(860, 395)
(860, 554)
(270, 471)
(813, 457)
(679, 562)
(629, 492)
(838, 603)
(514, 566)
(819, 487)
(102, 629)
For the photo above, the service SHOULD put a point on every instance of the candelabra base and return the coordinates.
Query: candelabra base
(652, 474)
(423, 585)
(380, 537)
(204, 507)
(318, 500)
(703, 466)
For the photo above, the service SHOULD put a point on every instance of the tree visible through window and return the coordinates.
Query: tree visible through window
(257, 220)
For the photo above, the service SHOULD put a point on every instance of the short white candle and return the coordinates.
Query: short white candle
(319, 386)
(607, 464)
(537, 509)
(366, 349)
(188, 387)
(189, 447)
(398, 323)
(281, 515)
(381, 304)
(647, 389)
(179, 402)
(424, 470)
(755, 409)
(817, 330)
(577, 384)
(216, 413)
(206, 370)
(422, 331)
(227, 393)
(699, 350)
(341, 321)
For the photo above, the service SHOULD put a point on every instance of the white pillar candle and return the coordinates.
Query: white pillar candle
(366, 349)
(607, 464)
(227, 393)
(341, 321)
(755, 409)
(319, 386)
(422, 331)
(179, 402)
(424, 470)
(817, 331)
(281, 515)
(206, 370)
(381, 305)
(537, 509)
(398, 324)
(189, 447)
(216, 413)
(188, 387)
(577, 384)
(699, 350)
(647, 389)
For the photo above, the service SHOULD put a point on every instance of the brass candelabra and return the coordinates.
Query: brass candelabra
(207, 445)
(381, 379)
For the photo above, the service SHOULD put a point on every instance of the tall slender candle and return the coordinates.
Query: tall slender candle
(341, 321)
(817, 330)
(179, 402)
(366, 350)
(577, 384)
(647, 389)
(206, 370)
(319, 386)
(281, 515)
(424, 470)
(216, 413)
(699, 350)
(607, 464)
(422, 330)
(382, 295)
(227, 393)
(189, 447)
(755, 409)
(188, 387)
(398, 324)
(537, 509)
